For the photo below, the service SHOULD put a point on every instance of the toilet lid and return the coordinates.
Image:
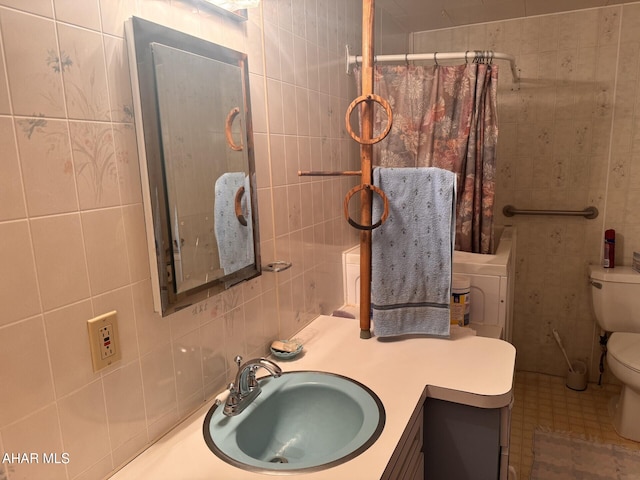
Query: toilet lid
(625, 348)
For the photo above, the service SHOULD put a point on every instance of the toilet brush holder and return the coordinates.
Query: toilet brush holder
(577, 379)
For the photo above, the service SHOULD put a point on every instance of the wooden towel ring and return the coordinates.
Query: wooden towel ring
(238, 207)
(385, 202)
(227, 129)
(369, 98)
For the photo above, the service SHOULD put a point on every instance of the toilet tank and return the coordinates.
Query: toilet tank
(616, 298)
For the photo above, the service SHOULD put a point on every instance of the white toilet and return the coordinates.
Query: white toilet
(616, 304)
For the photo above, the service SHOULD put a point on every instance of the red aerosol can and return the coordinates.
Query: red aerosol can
(609, 257)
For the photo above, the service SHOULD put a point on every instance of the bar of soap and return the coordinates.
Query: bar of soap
(285, 346)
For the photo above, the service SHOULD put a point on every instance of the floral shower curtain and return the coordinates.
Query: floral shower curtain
(446, 117)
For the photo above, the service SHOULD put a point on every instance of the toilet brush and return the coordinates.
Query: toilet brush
(557, 336)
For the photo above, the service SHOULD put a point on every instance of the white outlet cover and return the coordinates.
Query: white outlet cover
(103, 340)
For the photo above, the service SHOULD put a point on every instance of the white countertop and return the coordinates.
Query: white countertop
(468, 369)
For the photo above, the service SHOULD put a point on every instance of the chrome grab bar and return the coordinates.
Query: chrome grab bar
(589, 212)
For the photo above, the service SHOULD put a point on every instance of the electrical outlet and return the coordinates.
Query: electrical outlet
(103, 340)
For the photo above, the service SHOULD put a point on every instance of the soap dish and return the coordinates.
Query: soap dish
(287, 355)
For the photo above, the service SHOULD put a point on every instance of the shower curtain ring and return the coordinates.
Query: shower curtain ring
(435, 58)
(406, 59)
(466, 60)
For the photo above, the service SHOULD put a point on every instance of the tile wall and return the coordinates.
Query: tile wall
(569, 138)
(72, 238)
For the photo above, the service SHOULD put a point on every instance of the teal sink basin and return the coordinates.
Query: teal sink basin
(302, 421)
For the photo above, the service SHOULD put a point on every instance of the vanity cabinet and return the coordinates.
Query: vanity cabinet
(464, 441)
(407, 461)
(446, 440)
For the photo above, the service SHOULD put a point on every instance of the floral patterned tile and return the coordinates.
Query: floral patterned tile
(45, 157)
(120, 96)
(94, 161)
(33, 64)
(83, 68)
(126, 157)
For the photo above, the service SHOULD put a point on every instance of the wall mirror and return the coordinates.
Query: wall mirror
(193, 124)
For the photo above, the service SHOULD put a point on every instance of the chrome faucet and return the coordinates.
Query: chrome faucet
(246, 387)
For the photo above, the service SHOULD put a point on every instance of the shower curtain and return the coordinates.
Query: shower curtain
(446, 117)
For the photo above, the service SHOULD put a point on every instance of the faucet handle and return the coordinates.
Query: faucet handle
(231, 404)
(238, 360)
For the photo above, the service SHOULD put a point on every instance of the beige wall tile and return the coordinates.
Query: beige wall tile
(105, 244)
(289, 113)
(85, 80)
(114, 13)
(5, 106)
(69, 347)
(234, 336)
(33, 64)
(60, 260)
(83, 14)
(257, 340)
(26, 385)
(85, 433)
(187, 359)
(125, 404)
(137, 249)
(47, 166)
(95, 164)
(39, 7)
(117, 61)
(12, 205)
(280, 210)
(214, 362)
(18, 284)
(275, 114)
(272, 51)
(159, 383)
(40, 434)
(152, 330)
(291, 160)
(286, 50)
(100, 469)
(266, 213)
(126, 156)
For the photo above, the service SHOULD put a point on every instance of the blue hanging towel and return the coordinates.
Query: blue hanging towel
(411, 255)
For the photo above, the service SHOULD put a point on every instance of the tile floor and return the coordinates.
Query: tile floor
(544, 400)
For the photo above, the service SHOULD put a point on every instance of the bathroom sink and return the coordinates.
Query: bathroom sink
(302, 421)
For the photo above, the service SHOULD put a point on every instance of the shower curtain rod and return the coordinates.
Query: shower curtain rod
(468, 56)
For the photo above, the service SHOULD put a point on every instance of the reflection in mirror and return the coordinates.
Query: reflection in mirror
(194, 112)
